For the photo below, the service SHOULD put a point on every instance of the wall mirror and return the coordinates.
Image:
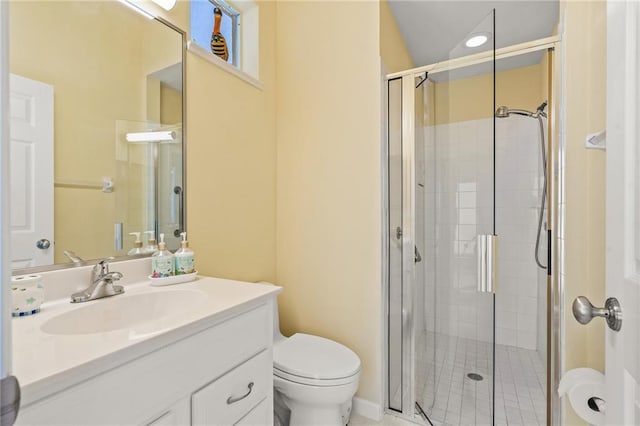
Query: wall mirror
(96, 130)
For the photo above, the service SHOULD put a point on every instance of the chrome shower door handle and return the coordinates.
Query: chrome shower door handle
(177, 190)
(584, 312)
(487, 247)
(417, 258)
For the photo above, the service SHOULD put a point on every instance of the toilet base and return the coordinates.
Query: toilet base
(309, 415)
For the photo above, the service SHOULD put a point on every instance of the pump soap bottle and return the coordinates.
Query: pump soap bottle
(151, 247)
(184, 258)
(137, 244)
(162, 261)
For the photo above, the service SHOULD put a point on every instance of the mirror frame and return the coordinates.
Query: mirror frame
(90, 262)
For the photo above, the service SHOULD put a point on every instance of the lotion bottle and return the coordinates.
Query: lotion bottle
(184, 259)
(137, 245)
(152, 246)
(162, 261)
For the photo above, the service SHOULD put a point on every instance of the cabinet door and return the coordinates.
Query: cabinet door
(232, 396)
(179, 414)
(262, 415)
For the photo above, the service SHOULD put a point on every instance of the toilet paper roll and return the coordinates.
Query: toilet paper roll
(586, 390)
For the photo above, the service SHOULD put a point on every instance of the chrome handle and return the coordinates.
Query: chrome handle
(118, 241)
(113, 276)
(101, 268)
(487, 267)
(417, 257)
(180, 193)
(43, 244)
(234, 399)
(584, 312)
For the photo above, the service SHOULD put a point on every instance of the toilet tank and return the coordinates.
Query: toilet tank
(277, 335)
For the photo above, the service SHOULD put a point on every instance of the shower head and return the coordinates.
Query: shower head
(502, 111)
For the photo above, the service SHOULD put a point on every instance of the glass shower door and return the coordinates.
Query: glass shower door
(454, 325)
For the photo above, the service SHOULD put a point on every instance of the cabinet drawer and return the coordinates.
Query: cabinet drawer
(262, 415)
(233, 395)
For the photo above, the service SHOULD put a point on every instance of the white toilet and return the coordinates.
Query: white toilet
(314, 379)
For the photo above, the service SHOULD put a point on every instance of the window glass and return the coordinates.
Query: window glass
(202, 23)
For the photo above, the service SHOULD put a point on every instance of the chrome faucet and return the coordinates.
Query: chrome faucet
(102, 284)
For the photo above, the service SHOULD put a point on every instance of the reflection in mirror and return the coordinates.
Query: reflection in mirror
(84, 75)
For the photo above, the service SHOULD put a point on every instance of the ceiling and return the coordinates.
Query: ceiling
(436, 30)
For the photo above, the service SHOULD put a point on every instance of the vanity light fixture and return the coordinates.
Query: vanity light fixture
(165, 4)
(137, 8)
(161, 136)
(476, 40)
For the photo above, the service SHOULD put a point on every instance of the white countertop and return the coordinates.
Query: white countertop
(45, 363)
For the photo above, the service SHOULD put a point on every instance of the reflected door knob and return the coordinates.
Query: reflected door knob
(584, 312)
(43, 244)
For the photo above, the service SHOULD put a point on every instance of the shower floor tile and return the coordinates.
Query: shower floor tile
(447, 393)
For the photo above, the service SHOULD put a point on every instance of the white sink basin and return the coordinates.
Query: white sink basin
(124, 312)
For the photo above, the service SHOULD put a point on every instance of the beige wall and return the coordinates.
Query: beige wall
(231, 161)
(170, 105)
(393, 50)
(472, 98)
(585, 50)
(328, 125)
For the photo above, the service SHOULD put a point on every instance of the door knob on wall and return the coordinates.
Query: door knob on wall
(584, 312)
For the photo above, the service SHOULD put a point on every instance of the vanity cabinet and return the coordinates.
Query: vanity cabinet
(220, 374)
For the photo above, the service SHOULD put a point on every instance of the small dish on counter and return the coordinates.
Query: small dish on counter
(174, 279)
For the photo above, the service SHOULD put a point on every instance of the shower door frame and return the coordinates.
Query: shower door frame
(554, 284)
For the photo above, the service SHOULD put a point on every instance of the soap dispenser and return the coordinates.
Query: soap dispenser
(162, 261)
(184, 258)
(152, 246)
(137, 244)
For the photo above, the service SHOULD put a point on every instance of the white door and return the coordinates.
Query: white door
(623, 211)
(31, 172)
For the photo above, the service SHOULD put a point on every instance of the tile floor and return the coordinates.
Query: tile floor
(450, 397)
(387, 420)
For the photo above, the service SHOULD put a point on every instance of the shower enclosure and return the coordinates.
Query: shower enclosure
(467, 295)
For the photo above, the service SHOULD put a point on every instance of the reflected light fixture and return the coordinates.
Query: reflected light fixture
(476, 40)
(137, 8)
(151, 136)
(165, 4)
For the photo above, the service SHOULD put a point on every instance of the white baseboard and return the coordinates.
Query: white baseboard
(368, 409)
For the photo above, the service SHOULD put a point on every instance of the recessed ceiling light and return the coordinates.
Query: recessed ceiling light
(476, 40)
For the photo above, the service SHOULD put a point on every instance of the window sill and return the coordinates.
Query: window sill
(210, 57)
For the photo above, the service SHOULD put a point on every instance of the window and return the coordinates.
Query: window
(202, 22)
(239, 27)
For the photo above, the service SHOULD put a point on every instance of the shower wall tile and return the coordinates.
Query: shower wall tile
(458, 205)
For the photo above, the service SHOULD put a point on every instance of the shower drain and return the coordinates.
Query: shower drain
(474, 376)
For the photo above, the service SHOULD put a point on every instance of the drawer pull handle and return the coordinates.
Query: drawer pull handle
(233, 400)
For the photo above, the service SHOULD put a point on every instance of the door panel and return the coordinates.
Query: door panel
(623, 211)
(31, 170)
(394, 167)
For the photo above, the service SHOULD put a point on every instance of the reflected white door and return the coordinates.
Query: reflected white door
(623, 211)
(31, 172)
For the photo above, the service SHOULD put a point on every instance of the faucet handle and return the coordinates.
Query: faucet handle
(102, 267)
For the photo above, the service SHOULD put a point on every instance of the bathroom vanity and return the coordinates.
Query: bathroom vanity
(196, 353)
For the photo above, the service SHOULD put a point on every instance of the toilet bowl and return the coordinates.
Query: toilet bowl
(314, 379)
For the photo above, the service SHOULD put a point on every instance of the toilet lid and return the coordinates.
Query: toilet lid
(315, 357)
